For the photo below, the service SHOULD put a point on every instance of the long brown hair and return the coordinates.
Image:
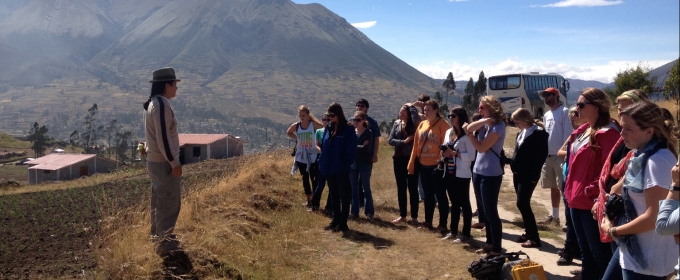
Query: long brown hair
(336, 109)
(647, 114)
(462, 116)
(599, 99)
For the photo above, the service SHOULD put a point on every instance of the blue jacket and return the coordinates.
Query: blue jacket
(338, 154)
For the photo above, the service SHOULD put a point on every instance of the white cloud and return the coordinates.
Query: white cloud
(604, 73)
(367, 24)
(581, 3)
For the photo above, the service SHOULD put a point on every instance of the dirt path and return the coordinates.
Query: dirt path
(546, 255)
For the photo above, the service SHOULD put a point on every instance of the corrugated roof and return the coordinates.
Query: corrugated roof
(200, 139)
(57, 161)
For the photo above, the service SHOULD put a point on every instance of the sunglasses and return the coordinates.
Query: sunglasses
(547, 95)
(330, 115)
(326, 119)
(582, 105)
(452, 116)
(357, 120)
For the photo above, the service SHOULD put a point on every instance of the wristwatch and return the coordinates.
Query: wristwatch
(612, 232)
(675, 188)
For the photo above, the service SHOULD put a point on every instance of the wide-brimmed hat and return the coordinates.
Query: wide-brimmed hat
(164, 75)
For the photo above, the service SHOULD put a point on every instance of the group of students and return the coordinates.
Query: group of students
(632, 158)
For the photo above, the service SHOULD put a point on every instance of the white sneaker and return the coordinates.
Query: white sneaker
(461, 239)
(448, 236)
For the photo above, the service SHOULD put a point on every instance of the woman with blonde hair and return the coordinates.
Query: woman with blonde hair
(590, 145)
(642, 253)
(306, 150)
(531, 150)
(488, 170)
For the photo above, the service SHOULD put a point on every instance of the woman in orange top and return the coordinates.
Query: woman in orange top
(429, 136)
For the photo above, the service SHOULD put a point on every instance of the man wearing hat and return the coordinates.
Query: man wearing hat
(162, 155)
(558, 126)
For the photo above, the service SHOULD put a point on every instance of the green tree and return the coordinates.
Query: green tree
(449, 85)
(632, 78)
(111, 130)
(671, 90)
(468, 103)
(39, 139)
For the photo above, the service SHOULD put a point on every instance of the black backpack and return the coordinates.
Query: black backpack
(491, 267)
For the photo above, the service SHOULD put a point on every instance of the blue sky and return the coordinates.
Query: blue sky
(584, 39)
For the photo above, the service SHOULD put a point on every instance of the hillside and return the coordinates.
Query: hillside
(237, 59)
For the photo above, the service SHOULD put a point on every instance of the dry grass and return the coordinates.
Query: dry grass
(252, 224)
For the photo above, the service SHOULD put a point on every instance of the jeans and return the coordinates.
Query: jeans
(613, 271)
(570, 242)
(490, 187)
(318, 191)
(341, 192)
(306, 176)
(406, 182)
(595, 255)
(363, 170)
(631, 275)
(524, 189)
(481, 217)
(166, 198)
(429, 191)
(459, 193)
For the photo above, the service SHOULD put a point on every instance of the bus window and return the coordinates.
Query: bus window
(504, 82)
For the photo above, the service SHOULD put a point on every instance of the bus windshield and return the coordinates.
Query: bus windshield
(504, 82)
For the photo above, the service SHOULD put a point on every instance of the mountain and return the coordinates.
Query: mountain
(236, 58)
(661, 73)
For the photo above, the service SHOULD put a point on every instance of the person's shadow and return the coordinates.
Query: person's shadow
(177, 265)
(360, 237)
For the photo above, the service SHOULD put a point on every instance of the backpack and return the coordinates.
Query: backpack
(491, 267)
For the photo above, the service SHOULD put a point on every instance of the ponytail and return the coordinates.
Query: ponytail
(157, 88)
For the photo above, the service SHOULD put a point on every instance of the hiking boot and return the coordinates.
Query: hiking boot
(550, 220)
(330, 226)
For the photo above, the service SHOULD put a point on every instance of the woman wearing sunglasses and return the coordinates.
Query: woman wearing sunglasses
(643, 253)
(320, 179)
(488, 173)
(339, 150)
(363, 164)
(401, 137)
(531, 150)
(458, 155)
(590, 145)
(428, 138)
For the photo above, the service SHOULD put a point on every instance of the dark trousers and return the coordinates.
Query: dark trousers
(459, 194)
(481, 218)
(490, 187)
(429, 190)
(614, 270)
(306, 176)
(570, 242)
(340, 191)
(524, 188)
(406, 182)
(318, 191)
(595, 255)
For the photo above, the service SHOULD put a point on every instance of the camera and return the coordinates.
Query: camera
(444, 146)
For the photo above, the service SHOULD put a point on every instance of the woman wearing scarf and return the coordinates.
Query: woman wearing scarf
(642, 253)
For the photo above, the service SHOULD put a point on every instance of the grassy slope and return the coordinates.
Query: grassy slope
(9, 143)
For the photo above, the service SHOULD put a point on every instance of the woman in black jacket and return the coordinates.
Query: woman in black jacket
(531, 150)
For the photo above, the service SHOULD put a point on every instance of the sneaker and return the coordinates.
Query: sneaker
(342, 228)
(550, 220)
(564, 228)
(427, 226)
(476, 213)
(369, 217)
(462, 239)
(565, 260)
(309, 208)
(575, 271)
(448, 236)
(531, 244)
(415, 222)
(399, 220)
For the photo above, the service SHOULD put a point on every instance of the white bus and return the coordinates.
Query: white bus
(525, 91)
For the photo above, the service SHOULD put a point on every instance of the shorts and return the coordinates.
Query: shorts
(551, 174)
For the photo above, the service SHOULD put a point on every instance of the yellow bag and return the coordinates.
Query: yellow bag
(528, 270)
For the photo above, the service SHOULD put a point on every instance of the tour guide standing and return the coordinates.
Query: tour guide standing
(162, 149)
(558, 126)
